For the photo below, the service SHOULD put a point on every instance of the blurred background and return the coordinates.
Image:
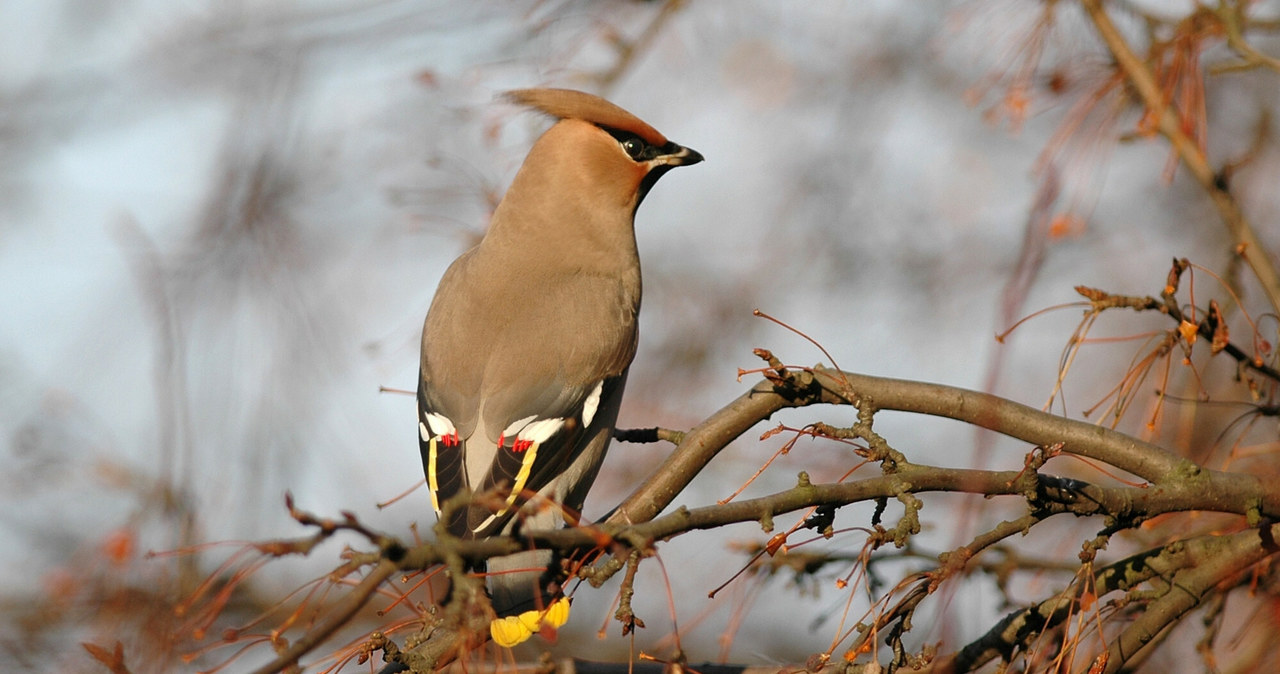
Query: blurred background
(221, 225)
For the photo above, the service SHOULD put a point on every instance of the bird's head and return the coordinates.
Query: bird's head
(598, 150)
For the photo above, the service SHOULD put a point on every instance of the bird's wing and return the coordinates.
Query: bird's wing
(505, 399)
(537, 449)
(538, 443)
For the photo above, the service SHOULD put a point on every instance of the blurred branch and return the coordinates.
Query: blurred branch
(1234, 23)
(629, 50)
(1190, 569)
(1248, 246)
(172, 489)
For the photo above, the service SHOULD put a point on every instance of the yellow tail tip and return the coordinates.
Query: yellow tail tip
(509, 631)
(557, 613)
(513, 630)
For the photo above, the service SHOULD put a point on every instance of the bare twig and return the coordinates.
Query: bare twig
(1248, 246)
(1191, 568)
(334, 620)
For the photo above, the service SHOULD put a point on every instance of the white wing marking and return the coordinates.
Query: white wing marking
(538, 432)
(535, 433)
(517, 426)
(440, 424)
(590, 405)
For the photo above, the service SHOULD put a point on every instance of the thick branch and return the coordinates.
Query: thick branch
(702, 443)
(1193, 569)
(1033, 426)
(1046, 493)
(1015, 420)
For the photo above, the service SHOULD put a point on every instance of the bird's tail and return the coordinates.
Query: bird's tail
(525, 591)
(519, 582)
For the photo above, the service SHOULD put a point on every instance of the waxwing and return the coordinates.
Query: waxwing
(527, 343)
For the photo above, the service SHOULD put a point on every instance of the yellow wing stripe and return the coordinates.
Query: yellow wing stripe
(522, 477)
(433, 484)
(526, 466)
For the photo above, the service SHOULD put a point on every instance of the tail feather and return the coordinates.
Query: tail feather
(521, 582)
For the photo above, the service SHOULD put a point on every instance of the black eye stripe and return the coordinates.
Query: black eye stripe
(634, 145)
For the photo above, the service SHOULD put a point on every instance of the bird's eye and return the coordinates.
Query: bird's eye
(634, 147)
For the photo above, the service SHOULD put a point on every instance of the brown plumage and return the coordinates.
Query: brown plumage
(527, 343)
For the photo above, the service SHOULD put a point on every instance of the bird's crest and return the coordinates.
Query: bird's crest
(570, 104)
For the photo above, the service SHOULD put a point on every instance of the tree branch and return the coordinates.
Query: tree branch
(1176, 484)
(822, 385)
(341, 613)
(701, 444)
(1191, 568)
(1248, 246)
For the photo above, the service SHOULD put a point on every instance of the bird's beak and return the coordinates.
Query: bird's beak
(684, 156)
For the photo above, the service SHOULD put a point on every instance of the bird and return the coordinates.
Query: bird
(528, 340)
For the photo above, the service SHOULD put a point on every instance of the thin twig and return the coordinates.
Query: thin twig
(1247, 244)
(335, 620)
